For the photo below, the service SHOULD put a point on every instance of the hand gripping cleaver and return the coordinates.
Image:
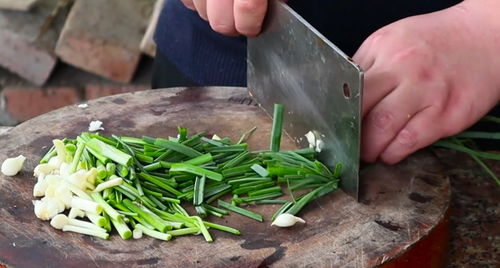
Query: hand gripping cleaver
(291, 63)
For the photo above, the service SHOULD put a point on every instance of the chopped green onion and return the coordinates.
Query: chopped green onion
(97, 197)
(103, 149)
(177, 147)
(277, 128)
(155, 234)
(260, 170)
(203, 229)
(184, 231)
(241, 211)
(222, 228)
(199, 188)
(182, 167)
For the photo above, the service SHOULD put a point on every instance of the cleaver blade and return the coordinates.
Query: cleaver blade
(291, 63)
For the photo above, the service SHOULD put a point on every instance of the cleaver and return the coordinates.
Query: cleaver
(320, 87)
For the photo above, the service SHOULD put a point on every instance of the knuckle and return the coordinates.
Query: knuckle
(407, 138)
(413, 54)
(383, 119)
(378, 37)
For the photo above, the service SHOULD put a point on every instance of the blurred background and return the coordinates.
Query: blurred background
(55, 53)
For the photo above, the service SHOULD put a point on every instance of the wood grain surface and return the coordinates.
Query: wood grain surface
(399, 206)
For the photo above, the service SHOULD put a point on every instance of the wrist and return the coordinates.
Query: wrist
(483, 18)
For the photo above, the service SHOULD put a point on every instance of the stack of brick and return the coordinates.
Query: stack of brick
(25, 49)
(102, 37)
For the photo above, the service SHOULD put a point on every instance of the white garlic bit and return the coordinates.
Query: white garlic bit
(315, 141)
(286, 220)
(95, 126)
(11, 166)
(83, 105)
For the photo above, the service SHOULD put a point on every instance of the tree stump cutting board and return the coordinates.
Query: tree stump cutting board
(401, 219)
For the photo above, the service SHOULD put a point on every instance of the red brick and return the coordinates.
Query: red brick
(103, 37)
(97, 91)
(22, 51)
(26, 103)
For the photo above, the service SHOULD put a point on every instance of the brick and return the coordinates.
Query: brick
(103, 37)
(97, 91)
(24, 103)
(22, 5)
(25, 52)
(148, 45)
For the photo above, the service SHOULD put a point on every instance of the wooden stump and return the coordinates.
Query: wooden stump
(401, 219)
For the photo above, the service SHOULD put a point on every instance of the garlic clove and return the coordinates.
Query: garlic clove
(286, 220)
(11, 166)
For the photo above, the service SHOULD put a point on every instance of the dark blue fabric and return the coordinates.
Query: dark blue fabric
(211, 59)
(206, 57)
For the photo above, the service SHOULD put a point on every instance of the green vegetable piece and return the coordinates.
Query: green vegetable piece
(150, 218)
(260, 170)
(159, 183)
(107, 208)
(203, 229)
(222, 228)
(103, 149)
(177, 147)
(246, 135)
(76, 157)
(241, 211)
(184, 231)
(277, 128)
(188, 168)
(199, 188)
(200, 160)
(265, 191)
(122, 228)
(152, 233)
